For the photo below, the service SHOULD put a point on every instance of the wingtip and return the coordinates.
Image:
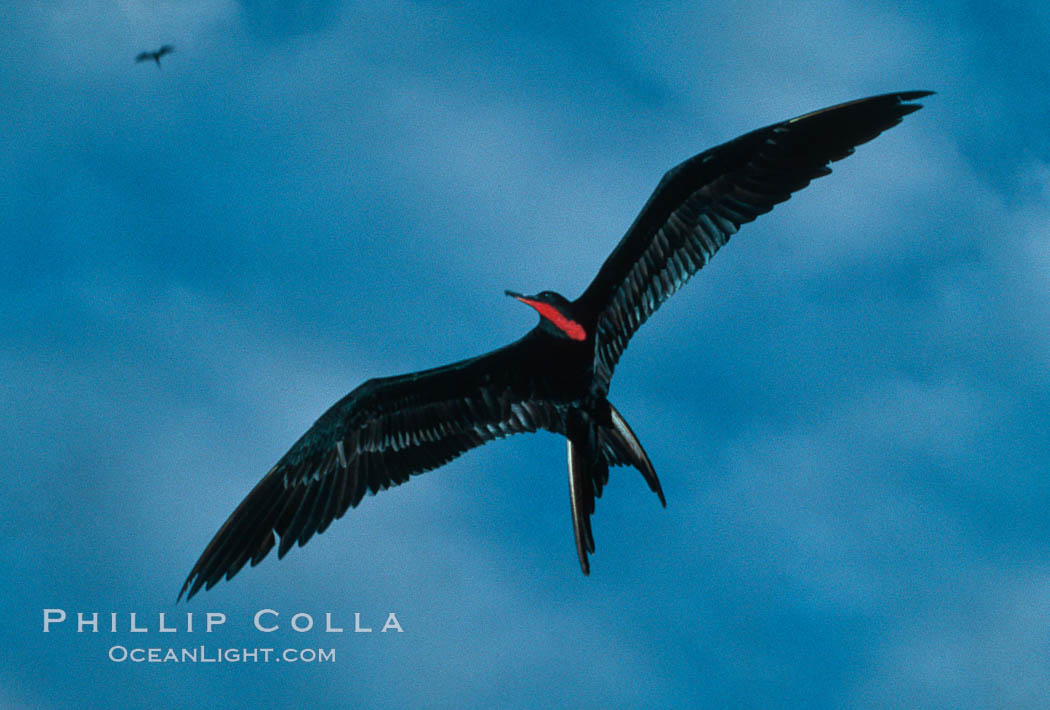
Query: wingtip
(185, 586)
(905, 99)
(658, 489)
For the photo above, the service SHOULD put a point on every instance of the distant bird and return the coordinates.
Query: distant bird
(557, 376)
(155, 56)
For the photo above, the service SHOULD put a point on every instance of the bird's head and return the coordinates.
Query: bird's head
(555, 314)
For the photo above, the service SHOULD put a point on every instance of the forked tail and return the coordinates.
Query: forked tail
(592, 447)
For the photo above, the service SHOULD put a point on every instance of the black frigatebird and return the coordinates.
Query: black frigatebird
(557, 376)
(156, 55)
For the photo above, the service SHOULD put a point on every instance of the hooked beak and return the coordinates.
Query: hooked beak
(523, 299)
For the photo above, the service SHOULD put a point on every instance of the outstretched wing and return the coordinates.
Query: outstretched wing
(165, 49)
(700, 203)
(374, 438)
(144, 57)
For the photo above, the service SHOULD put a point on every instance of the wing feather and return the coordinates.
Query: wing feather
(699, 204)
(378, 436)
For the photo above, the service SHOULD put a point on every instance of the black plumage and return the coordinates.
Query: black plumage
(557, 376)
(155, 55)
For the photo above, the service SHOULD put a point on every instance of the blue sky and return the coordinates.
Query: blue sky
(847, 408)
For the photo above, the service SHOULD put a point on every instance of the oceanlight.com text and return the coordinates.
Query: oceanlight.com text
(204, 654)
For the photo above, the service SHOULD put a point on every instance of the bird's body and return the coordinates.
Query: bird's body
(557, 376)
(154, 55)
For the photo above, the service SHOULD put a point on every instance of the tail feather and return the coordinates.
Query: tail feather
(593, 446)
(581, 499)
(628, 446)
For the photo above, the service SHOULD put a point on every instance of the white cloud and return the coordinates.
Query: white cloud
(981, 643)
(1021, 235)
(796, 55)
(828, 502)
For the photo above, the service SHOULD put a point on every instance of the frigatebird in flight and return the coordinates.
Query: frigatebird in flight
(557, 376)
(155, 56)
